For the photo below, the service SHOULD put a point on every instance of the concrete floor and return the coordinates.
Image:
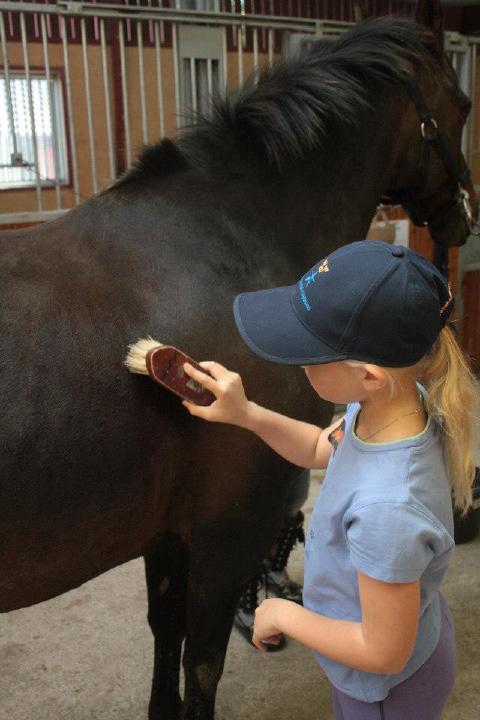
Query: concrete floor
(87, 655)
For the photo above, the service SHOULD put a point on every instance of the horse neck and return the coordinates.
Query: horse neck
(330, 200)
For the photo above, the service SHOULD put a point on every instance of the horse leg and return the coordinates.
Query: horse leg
(166, 566)
(220, 564)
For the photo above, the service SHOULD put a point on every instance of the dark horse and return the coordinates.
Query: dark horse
(99, 466)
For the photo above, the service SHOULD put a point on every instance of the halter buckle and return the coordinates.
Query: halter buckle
(429, 129)
(464, 200)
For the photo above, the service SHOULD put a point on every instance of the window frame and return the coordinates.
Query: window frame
(57, 76)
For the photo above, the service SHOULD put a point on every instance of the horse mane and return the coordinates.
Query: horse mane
(294, 103)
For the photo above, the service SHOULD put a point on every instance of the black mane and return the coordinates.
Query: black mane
(288, 112)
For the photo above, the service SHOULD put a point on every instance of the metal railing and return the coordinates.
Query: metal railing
(124, 70)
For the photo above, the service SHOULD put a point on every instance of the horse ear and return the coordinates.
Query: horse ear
(359, 12)
(429, 14)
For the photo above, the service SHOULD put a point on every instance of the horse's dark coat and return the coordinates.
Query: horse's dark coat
(99, 466)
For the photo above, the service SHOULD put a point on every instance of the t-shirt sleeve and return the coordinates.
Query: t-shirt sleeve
(394, 541)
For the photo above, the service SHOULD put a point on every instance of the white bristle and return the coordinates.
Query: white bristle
(137, 352)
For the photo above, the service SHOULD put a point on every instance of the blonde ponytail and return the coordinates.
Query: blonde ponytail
(450, 383)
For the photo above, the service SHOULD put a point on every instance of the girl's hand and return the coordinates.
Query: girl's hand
(266, 629)
(231, 405)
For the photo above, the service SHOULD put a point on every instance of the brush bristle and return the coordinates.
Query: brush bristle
(135, 361)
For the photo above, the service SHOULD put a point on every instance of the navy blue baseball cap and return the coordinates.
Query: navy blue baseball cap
(368, 301)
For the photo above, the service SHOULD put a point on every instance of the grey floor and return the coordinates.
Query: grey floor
(87, 655)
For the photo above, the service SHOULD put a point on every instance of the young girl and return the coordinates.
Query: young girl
(367, 323)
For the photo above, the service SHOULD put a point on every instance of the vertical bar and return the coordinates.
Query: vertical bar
(209, 79)
(8, 89)
(176, 73)
(162, 25)
(150, 24)
(225, 60)
(95, 25)
(158, 58)
(193, 84)
(106, 92)
(141, 77)
(126, 117)
(71, 126)
(233, 10)
(26, 63)
(88, 97)
(270, 45)
(264, 30)
(56, 146)
(473, 94)
(255, 54)
(240, 55)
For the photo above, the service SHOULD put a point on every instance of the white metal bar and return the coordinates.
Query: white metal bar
(141, 77)
(270, 45)
(209, 79)
(71, 122)
(88, 97)
(31, 111)
(176, 73)
(240, 55)
(8, 89)
(225, 59)
(106, 92)
(473, 94)
(126, 117)
(56, 145)
(255, 54)
(193, 85)
(158, 59)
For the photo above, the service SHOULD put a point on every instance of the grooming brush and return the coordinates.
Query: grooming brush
(164, 364)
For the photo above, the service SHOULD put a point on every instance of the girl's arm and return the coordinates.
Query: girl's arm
(298, 442)
(381, 643)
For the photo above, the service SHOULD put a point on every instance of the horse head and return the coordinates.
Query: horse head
(433, 181)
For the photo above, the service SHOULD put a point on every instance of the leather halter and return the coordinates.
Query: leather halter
(432, 138)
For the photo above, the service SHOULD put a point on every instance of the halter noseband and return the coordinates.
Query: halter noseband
(432, 138)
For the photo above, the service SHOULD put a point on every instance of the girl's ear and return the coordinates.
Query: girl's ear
(374, 378)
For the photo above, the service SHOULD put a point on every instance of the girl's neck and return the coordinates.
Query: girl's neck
(385, 419)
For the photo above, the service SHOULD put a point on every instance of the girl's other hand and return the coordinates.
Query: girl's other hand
(266, 629)
(231, 405)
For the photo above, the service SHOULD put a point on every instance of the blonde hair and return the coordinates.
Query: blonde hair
(450, 383)
(446, 375)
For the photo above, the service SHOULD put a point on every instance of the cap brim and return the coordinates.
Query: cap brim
(270, 327)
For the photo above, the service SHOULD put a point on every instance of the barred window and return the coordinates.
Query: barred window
(20, 128)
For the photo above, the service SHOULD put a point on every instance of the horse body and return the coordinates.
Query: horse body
(102, 459)
(99, 466)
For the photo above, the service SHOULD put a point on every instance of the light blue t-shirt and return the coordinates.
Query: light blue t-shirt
(384, 510)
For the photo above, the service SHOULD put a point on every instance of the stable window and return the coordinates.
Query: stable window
(23, 127)
(201, 56)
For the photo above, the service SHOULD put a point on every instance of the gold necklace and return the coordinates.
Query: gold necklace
(412, 412)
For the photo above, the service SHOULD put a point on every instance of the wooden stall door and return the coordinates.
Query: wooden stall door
(471, 316)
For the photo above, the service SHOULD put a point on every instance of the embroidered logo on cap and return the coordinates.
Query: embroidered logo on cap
(309, 279)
